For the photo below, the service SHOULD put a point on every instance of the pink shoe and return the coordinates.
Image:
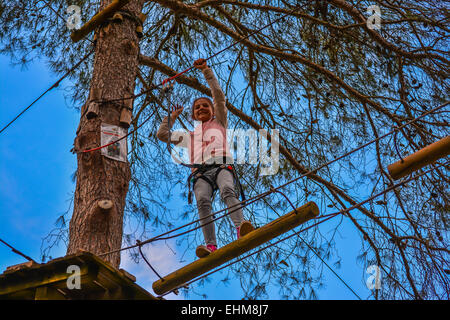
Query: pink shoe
(203, 251)
(245, 228)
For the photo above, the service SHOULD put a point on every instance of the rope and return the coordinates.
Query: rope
(311, 248)
(246, 256)
(261, 195)
(164, 82)
(54, 85)
(138, 243)
(17, 251)
(326, 218)
(160, 237)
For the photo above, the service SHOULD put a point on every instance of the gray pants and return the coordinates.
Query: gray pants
(203, 193)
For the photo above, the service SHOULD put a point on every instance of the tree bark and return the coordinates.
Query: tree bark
(96, 227)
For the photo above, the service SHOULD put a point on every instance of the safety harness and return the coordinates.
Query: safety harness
(200, 168)
(199, 174)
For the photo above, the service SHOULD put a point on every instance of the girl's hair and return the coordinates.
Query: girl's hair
(193, 104)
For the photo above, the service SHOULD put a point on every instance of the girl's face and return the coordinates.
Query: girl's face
(203, 111)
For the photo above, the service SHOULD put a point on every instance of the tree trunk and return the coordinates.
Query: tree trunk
(102, 183)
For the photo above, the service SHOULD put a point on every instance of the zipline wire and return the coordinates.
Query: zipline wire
(54, 85)
(246, 256)
(17, 251)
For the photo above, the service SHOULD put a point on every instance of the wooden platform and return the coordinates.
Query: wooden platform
(236, 248)
(98, 281)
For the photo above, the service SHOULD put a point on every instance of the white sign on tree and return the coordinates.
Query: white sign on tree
(116, 150)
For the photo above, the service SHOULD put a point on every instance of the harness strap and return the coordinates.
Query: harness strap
(199, 174)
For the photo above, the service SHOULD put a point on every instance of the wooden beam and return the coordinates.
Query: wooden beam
(93, 104)
(48, 293)
(126, 114)
(20, 266)
(420, 159)
(236, 248)
(98, 19)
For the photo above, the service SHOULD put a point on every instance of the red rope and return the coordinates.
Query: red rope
(104, 146)
(176, 76)
(162, 84)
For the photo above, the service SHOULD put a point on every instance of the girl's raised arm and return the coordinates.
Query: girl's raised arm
(219, 101)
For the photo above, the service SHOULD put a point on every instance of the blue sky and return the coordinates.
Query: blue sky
(36, 187)
(36, 164)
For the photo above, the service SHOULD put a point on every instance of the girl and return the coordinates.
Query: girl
(208, 147)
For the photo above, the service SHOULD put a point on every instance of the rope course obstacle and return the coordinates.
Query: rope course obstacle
(420, 159)
(264, 194)
(192, 270)
(202, 267)
(159, 285)
(238, 247)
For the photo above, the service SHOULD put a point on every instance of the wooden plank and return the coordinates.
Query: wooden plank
(420, 159)
(126, 114)
(37, 279)
(128, 275)
(48, 293)
(98, 19)
(20, 266)
(236, 248)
